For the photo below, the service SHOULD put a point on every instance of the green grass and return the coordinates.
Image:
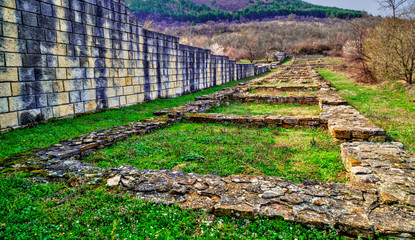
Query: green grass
(390, 108)
(31, 210)
(266, 109)
(43, 135)
(286, 61)
(295, 154)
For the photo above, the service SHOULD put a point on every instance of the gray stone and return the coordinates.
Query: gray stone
(29, 19)
(64, 153)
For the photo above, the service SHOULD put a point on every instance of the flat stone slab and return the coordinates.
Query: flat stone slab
(386, 167)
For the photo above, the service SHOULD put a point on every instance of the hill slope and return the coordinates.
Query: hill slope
(216, 10)
(227, 5)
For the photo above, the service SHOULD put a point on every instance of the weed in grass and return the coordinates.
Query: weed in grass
(212, 148)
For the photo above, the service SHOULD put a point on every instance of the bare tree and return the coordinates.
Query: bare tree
(390, 49)
(252, 46)
(394, 5)
(355, 56)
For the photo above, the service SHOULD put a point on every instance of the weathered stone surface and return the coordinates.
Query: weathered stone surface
(114, 181)
(382, 166)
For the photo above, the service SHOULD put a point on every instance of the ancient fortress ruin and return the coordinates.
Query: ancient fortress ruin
(66, 57)
(60, 57)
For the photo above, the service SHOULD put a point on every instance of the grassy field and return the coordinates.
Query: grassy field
(31, 210)
(390, 108)
(52, 132)
(266, 109)
(295, 154)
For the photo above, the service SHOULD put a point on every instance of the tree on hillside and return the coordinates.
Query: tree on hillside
(355, 56)
(390, 49)
(252, 46)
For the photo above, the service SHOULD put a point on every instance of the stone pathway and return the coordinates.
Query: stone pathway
(379, 197)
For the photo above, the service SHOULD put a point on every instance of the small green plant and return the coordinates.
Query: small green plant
(192, 157)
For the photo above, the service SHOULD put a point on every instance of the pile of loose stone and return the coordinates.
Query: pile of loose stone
(379, 197)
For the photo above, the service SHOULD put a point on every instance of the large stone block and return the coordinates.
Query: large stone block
(57, 86)
(46, 9)
(79, 107)
(4, 105)
(47, 113)
(61, 73)
(131, 99)
(8, 74)
(77, 39)
(10, 15)
(41, 100)
(8, 120)
(50, 23)
(123, 101)
(32, 33)
(72, 85)
(52, 61)
(34, 60)
(62, 37)
(128, 90)
(55, 99)
(22, 103)
(63, 110)
(51, 35)
(76, 73)
(113, 102)
(58, 12)
(33, 46)
(18, 89)
(88, 95)
(65, 62)
(52, 48)
(75, 96)
(2, 60)
(28, 5)
(65, 26)
(13, 59)
(5, 90)
(8, 3)
(90, 106)
(12, 45)
(10, 30)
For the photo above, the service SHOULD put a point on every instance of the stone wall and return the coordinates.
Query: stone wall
(64, 57)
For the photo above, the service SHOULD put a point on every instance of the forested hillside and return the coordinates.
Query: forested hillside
(200, 11)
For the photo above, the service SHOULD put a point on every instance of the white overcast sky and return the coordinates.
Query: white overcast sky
(370, 6)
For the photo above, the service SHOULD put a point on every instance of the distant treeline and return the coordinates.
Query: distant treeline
(185, 10)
